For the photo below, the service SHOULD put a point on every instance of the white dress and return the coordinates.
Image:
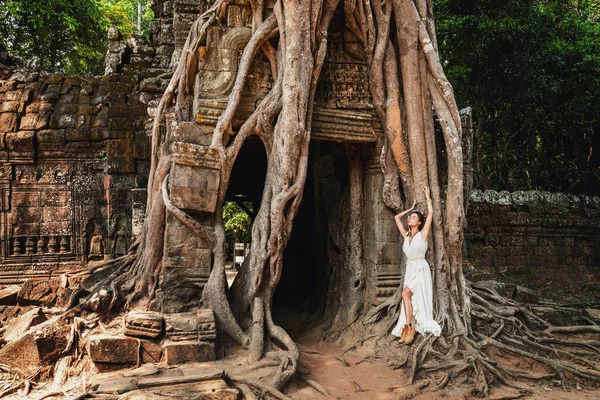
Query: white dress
(418, 279)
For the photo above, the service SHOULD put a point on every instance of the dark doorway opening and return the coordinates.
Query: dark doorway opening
(306, 268)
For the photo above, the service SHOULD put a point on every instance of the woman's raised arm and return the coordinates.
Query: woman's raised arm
(398, 219)
(429, 219)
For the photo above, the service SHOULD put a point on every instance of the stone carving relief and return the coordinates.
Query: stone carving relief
(221, 61)
(120, 238)
(96, 246)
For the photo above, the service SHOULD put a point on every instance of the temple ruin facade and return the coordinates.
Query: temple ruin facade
(74, 161)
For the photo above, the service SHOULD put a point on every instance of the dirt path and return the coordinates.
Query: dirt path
(353, 375)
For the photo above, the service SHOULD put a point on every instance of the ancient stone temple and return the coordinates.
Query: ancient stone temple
(75, 159)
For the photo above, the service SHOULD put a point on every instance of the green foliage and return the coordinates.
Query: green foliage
(531, 71)
(68, 36)
(236, 222)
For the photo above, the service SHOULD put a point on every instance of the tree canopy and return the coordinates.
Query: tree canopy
(67, 35)
(531, 71)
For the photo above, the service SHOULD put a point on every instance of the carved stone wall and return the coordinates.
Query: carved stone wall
(549, 241)
(382, 245)
(71, 150)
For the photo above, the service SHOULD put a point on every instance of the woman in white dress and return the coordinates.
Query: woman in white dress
(416, 313)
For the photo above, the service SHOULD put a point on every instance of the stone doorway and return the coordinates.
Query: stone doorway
(306, 270)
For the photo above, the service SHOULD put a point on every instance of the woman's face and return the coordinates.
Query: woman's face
(413, 220)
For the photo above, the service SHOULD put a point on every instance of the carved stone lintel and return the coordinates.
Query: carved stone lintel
(207, 329)
(181, 326)
(143, 324)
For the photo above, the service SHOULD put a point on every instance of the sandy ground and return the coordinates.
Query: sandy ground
(346, 377)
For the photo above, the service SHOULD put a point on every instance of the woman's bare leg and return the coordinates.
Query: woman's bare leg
(407, 300)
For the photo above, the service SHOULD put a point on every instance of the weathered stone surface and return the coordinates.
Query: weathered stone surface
(115, 385)
(120, 156)
(181, 352)
(207, 390)
(8, 122)
(18, 327)
(119, 350)
(151, 352)
(43, 293)
(551, 241)
(144, 370)
(40, 346)
(8, 295)
(194, 187)
(143, 324)
(524, 295)
(207, 329)
(199, 374)
(182, 326)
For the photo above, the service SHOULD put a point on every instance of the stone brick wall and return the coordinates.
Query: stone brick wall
(548, 241)
(74, 160)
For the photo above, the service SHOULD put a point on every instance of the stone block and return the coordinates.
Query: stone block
(154, 85)
(40, 108)
(7, 86)
(143, 324)
(8, 122)
(10, 106)
(54, 228)
(66, 121)
(14, 95)
(82, 134)
(28, 215)
(100, 121)
(144, 370)
(194, 187)
(118, 351)
(182, 326)
(51, 137)
(26, 230)
(238, 16)
(151, 352)
(216, 390)
(35, 349)
(19, 326)
(55, 198)
(21, 141)
(191, 132)
(115, 385)
(41, 292)
(141, 145)
(181, 289)
(120, 156)
(8, 295)
(207, 329)
(188, 351)
(388, 252)
(525, 295)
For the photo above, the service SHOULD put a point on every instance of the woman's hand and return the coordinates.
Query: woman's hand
(413, 206)
(426, 190)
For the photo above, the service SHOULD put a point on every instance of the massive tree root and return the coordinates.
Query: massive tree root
(406, 80)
